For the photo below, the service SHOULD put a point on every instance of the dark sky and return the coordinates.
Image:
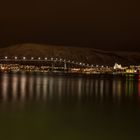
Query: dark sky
(103, 24)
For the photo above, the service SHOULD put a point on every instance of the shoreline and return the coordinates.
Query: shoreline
(60, 73)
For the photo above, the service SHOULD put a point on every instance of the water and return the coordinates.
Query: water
(45, 106)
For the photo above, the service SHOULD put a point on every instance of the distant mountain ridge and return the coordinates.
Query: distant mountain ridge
(86, 55)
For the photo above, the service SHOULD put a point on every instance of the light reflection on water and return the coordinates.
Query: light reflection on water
(34, 106)
(41, 87)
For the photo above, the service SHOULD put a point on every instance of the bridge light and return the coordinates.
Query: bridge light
(15, 57)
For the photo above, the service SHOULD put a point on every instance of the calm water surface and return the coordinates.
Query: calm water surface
(62, 107)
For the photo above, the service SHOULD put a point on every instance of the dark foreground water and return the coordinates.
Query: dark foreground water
(60, 107)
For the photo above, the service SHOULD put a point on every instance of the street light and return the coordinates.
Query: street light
(15, 57)
(24, 58)
(32, 58)
(45, 58)
(39, 58)
(6, 57)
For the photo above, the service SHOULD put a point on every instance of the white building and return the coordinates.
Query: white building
(117, 66)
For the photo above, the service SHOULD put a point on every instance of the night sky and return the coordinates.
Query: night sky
(102, 24)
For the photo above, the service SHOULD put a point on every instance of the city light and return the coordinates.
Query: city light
(77, 67)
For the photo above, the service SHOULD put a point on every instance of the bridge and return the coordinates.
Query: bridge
(40, 61)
